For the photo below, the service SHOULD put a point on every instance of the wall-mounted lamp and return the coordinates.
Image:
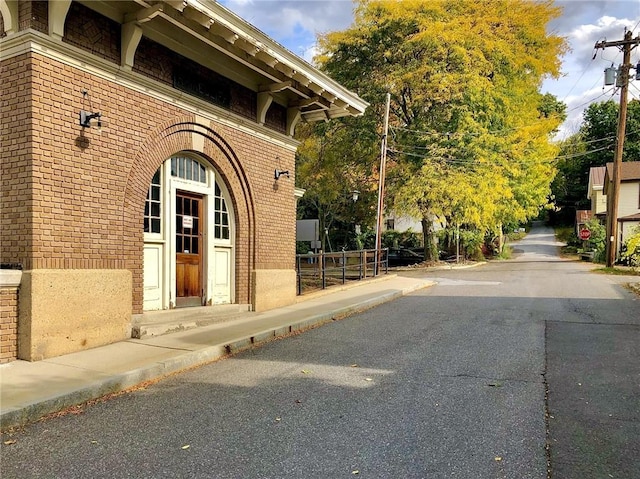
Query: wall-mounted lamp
(278, 173)
(355, 194)
(86, 118)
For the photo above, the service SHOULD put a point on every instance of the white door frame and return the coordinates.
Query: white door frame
(167, 239)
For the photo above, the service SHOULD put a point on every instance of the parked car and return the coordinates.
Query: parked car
(404, 257)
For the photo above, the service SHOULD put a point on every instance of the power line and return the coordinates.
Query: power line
(461, 161)
(587, 142)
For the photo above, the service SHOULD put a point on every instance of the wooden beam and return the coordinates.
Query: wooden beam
(264, 102)
(130, 34)
(9, 11)
(315, 88)
(179, 5)
(144, 15)
(246, 46)
(276, 87)
(293, 118)
(315, 100)
(300, 78)
(223, 32)
(266, 58)
(197, 16)
(57, 16)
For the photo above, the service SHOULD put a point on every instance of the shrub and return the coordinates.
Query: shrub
(472, 241)
(401, 239)
(631, 250)
(597, 242)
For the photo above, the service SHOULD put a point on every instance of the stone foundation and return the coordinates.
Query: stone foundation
(64, 311)
(273, 288)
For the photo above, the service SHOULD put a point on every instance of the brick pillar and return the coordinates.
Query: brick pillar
(9, 290)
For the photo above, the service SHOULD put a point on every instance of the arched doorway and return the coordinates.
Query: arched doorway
(189, 236)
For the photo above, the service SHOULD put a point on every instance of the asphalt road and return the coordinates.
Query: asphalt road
(451, 381)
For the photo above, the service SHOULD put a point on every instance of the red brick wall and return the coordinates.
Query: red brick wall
(8, 324)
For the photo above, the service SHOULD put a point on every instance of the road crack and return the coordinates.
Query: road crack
(547, 414)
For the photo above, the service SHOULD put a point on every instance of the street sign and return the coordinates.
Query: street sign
(585, 234)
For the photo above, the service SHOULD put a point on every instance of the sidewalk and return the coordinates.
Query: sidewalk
(30, 390)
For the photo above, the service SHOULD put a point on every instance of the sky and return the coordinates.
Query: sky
(295, 24)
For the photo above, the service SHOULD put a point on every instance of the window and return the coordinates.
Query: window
(188, 169)
(152, 206)
(221, 221)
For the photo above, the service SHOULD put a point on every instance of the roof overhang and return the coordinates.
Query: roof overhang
(210, 34)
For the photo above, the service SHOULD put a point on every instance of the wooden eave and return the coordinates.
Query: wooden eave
(209, 34)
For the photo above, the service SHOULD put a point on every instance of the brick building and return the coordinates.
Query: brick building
(142, 150)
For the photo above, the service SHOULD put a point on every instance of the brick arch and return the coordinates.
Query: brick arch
(168, 140)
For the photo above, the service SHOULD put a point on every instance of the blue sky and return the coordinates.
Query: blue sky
(295, 23)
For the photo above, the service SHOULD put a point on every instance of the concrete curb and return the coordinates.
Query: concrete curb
(158, 370)
(343, 287)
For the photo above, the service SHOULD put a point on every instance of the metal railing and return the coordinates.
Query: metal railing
(323, 270)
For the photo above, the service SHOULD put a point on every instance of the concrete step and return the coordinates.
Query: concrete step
(157, 323)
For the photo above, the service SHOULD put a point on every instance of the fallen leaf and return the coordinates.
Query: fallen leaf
(94, 442)
(495, 385)
(298, 401)
(305, 371)
(355, 472)
(9, 442)
(354, 366)
(368, 379)
(186, 446)
(498, 458)
(278, 419)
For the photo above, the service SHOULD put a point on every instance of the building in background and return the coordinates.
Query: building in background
(628, 214)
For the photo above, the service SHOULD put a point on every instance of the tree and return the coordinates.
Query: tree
(333, 160)
(470, 130)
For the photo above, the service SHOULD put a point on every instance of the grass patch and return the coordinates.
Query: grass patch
(618, 270)
(507, 253)
(516, 236)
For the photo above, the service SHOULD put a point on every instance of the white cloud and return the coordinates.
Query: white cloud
(583, 24)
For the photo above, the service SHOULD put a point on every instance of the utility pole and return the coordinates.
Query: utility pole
(383, 169)
(626, 45)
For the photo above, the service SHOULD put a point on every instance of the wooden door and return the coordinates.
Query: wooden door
(189, 291)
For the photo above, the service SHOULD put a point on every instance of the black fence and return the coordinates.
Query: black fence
(323, 270)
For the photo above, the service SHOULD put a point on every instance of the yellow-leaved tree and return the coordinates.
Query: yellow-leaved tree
(469, 129)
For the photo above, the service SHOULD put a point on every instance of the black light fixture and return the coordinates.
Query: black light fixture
(86, 117)
(278, 173)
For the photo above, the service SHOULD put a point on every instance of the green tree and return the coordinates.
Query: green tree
(335, 159)
(469, 127)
